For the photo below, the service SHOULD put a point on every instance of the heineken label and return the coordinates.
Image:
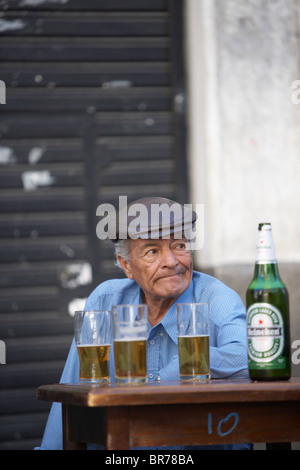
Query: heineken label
(265, 333)
(265, 252)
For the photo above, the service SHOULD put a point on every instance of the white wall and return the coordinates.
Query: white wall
(244, 130)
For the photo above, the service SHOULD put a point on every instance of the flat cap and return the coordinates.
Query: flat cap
(154, 217)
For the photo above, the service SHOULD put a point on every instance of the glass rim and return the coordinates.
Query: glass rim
(179, 305)
(193, 303)
(129, 305)
(92, 311)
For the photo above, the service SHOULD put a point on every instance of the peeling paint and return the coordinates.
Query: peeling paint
(142, 106)
(117, 84)
(7, 156)
(76, 305)
(11, 25)
(38, 78)
(67, 250)
(35, 179)
(34, 234)
(2, 92)
(149, 121)
(76, 275)
(2, 352)
(35, 155)
(40, 2)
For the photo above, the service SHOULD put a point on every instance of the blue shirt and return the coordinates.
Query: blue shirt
(228, 340)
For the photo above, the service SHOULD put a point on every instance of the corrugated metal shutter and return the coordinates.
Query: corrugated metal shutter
(89, 115)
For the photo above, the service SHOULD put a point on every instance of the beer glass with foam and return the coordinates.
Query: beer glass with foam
(130, 343)
(193, 341)
(93, 336)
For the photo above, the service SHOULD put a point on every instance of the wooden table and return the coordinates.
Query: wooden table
(171, 413)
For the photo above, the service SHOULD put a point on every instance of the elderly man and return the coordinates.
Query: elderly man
(159, 270)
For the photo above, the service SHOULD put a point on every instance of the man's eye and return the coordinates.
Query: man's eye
(181, 246)
(152, 251)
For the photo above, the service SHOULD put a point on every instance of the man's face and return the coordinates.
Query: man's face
(162, 268)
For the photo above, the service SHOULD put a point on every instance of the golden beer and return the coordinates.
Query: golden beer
(94, 365)
(130, 360)
(193, 356)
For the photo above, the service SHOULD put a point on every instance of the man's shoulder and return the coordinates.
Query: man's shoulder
(208, 281)
(212, 286)
(111, 286)
(225, 303)
(112, 292)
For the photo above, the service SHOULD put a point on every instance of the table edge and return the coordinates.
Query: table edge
(217, 391)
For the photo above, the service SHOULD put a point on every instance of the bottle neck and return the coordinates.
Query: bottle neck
(265, 261)
(266, 271)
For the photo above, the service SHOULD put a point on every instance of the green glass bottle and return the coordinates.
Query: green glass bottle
(268, 328)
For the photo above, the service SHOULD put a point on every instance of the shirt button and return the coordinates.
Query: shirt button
(152, 342)
(161, 334)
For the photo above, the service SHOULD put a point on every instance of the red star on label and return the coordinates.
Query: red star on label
(260, 322)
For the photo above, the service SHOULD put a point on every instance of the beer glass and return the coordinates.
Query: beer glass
(130, 343)
(193, 341)
(93, 337)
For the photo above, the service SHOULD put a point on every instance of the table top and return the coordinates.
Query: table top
(169, 392)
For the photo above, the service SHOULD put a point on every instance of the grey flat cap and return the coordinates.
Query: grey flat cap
(154, 217)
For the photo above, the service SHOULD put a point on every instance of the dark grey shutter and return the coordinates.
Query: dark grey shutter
(94, 109)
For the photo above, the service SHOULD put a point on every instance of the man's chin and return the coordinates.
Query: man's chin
(173, 285)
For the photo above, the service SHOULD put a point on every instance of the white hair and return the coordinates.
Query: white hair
(122, 248)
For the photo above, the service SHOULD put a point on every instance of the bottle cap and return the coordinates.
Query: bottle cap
(265, 226)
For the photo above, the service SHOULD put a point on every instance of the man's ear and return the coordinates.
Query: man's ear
(126, 266)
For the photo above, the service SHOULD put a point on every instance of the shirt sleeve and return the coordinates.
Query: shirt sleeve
(52, 439)
(228, 351)
(171, 370)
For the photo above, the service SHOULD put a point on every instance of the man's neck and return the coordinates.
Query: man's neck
(157, 308)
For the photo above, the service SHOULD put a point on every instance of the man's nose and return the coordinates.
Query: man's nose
(169, 259)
